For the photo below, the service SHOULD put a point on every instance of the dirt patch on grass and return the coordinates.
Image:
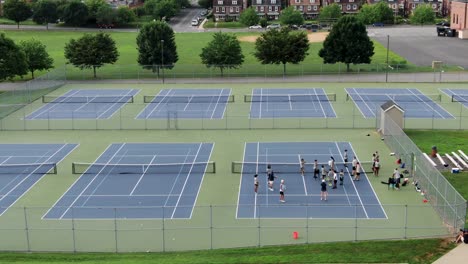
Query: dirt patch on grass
(313, 37)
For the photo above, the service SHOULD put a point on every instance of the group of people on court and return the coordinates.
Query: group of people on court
(331, 175)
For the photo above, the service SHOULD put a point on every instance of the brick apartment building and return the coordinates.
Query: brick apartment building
(459, 17)
(347, 6)
(270, 9)
(309, 8)
(228, 9)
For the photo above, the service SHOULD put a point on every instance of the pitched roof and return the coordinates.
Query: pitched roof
(391, 104)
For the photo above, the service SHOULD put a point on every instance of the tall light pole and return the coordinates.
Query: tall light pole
(162, 59)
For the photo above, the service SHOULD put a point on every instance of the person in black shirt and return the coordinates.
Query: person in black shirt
(323, 193)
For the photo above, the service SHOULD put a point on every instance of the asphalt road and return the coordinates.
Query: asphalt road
(421, 45)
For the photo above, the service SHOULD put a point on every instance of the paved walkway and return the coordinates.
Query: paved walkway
(455, 256)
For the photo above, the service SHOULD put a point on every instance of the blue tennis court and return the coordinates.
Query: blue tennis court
(414, 103)
(140, 180)
(350, 200)
(457, 95)
(84, 104)
(284, 103)
(187, 103)
(23, 165)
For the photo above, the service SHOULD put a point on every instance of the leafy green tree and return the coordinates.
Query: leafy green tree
(125, 15)
(93, 8)
(75, 13)
(263, 22)
(17, 10)
(12, 59)
(249, 17)
(348, 43)
(366, 14)
(106, 15)
(37, 57)
(150, 6)
(205, 3)
(182, 3)
(289, 16)
(156, 46)
(165, 9)
(423, 14)
(383, 13)
(283, 46)
(222, 52)
(91, 51)
(45, 12)
(328, 12)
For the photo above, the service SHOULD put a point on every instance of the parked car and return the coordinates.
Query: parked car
(378, 24)
(274, 26)
(195, 22)
(293, 27)
(443, 23)
(255, 27)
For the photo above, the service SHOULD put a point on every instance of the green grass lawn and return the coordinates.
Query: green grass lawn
(408, 251)
(189, 46)
(6, 21)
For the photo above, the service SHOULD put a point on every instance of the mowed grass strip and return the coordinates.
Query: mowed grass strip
(405, 251)
(189, 47)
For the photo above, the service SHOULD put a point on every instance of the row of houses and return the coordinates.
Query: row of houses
(271, 9)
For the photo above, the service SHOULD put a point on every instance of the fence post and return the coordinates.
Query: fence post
(355, 223)
(259, 227)
(73, 230)
(406, 221)
(307, 224)
(211, 227)
(26, 229)
(115, 231)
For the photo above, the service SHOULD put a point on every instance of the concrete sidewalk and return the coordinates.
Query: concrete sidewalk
(455, 256)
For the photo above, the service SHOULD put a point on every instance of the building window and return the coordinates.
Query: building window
(312, 1)
(434, 6)
(354, 7)
(301, 8)
(261, 9)
(276, 8)
(273, 2)
(341, 7)
(259, 2)
(237, 9)
(217, 9)
(413, 6)
(223, 10)
(309, 8)
(315, 8)
(297, 1)
(337, 1)
(231, 10)
(234, 2)
(348, 7)
(352, 1)
(269, 9)
(220, 2)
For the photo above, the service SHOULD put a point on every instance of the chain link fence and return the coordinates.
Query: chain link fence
(450, 205)
(211, 227)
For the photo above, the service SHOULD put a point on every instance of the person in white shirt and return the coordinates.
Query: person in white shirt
(397, 176)
(282, 188)
(358, 171)
(354, 163)
(335, 179)
(345, 157)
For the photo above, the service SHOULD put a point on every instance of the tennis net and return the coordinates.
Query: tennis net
(394, 97)
(32, 168)
(460, 98)
(167, 168)
(289, 97)
(261, 167)
(188, 99)
(88, 99)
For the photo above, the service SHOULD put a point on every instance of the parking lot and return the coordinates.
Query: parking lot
(421, 45)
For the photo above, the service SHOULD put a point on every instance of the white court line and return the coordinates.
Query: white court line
(112, 105)
(142, 175)
(26, 191)
(328, 102)
(355, 102)
(101, 182)
(375, 194)
(45, 109)
(240, 182)
(201, 182)
(129, 196)
(352, 181)
(31, 173)
(7, 158)
(177, 177)
(453, 93)
(317, 195)
(290, 103)
(342, 158)
(256, 172)
(320, 103)
(217, 103)
(185, 183)
(226, 104)
(302, 176)
(426, 103)
(94, 178)
(168, 93)
(261, 99)
(373, 114)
